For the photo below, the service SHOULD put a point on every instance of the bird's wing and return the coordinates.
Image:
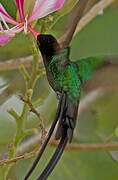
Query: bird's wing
(87, 66)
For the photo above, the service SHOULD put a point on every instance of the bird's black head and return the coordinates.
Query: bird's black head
(48, 46)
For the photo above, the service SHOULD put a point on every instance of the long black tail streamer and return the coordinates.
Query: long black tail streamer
(55, 158)
(58, 116)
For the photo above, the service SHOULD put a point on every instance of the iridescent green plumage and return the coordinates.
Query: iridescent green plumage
(69, 76)
(65, 75)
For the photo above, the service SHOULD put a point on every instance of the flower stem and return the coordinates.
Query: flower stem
(30, 81)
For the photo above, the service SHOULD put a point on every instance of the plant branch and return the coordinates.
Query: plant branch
(30, 81)
(33, 110)
(74, 18)
(13, 64)
(71, 147)
(89, 147)
(94, 11)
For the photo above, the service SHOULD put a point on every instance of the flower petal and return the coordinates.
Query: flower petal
(7, 35)
(44, 7)
(4, 39)
(6, 16)
(20, 7)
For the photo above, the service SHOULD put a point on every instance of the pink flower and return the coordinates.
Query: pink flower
(25, 19)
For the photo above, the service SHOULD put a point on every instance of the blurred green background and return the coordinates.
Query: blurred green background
(97, 123)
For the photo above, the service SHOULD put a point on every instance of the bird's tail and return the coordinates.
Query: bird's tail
(55, 158)
(64, 132)
(59, 113)
(66, 118)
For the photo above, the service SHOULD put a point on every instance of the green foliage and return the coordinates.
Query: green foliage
(7, 130)
(99, 38)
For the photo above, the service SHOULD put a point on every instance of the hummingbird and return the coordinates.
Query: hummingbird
(66, 78)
